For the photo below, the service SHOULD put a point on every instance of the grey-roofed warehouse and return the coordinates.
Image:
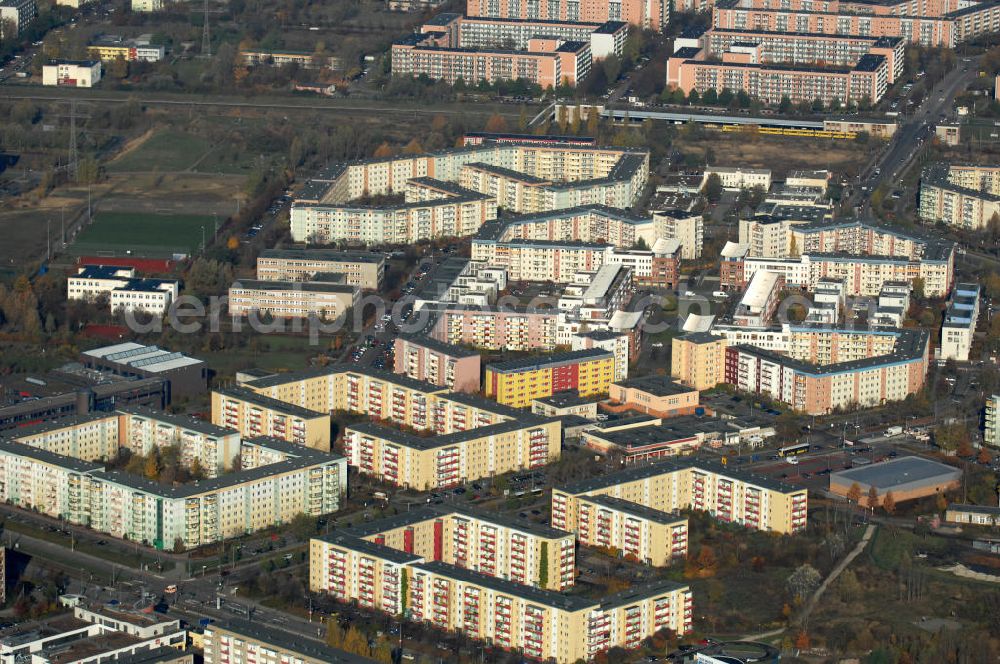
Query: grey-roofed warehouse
(907, 478)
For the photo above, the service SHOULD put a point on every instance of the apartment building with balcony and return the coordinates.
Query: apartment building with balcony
(442, 364)
(817, 389)
(991, 434)
(730, 495)
(363, 269)
(965, 197)
(640, 533)
(484, 32)
(542, 624)
(578, 174)
(214, 447)
(646, 15)
(514, 549)
(459, 437)
(864, 81)
(512, 328)
(253, 414)
(517, 383)
(237, 641)
(698, 360)
(85, 436)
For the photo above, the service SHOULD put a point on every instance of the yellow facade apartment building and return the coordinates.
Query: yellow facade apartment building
(459, 437)
(255, 415)
(641, 533)
(698, 360)
(519, 382)
(734, 496)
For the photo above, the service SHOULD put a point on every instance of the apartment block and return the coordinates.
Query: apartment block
(822, 388)
(88, 437)
(864, 81)
(363, 269)
(20, 14)
(991, 434)
(460, 437)
(959, 196)
(122, 288)
(438, 363)
(959, 326)
(513, 549)
(253, 414)
(236, 641)
(684, 227)
(806, 49)
(659, 267)
(141, 510)
(547, 62)
(143, 429)
(729, 495)
(323, 297)
(542, 624)
(640, 533)
(698, 360)
(517, 329)
(483, 32)
(646, 15)
(518, 382)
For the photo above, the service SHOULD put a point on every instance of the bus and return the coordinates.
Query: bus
(793, 450)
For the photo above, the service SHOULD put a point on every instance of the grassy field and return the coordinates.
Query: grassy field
(164, 151)
(146, 233)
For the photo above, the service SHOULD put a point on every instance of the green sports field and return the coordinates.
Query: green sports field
(154, 235)
(165, 151)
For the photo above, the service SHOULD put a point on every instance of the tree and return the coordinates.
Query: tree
(918, 285)
(151, 468)
(713, 188)
(984, 456)
(872, 497)
(802, 640)
(355, 642)
(543, 566)
(941, 502)
(593, 122)
(382, 151)
(854, 493)
(334, 634)
(786, 105)
(710, 97)
(803, 582)
(496, 124)
(889, 503)
(118, 67)
(413, 147)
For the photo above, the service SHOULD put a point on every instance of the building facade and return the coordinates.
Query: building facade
(363, 269)
(441, 364)
(518, 382)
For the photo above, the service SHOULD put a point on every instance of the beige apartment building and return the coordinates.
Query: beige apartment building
(252, 415)
(363, 269)
(729, 495)
(88, 437)
(214, 447)
(640, 533)
(238, 641)
(698, 360)
(326, 300)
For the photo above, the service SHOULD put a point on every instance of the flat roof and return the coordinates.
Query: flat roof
(182, 421)
(635, 509)
(328, 255)
(565, 399)
(442, 347)
(900, 474)
(267, 402)
(659, 386)
(151, 359)
(552, 360)
(310, 286)
(286, 641)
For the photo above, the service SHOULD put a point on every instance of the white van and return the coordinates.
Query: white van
(720, 293)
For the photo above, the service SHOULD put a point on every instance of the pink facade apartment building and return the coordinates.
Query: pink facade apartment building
(438, 363)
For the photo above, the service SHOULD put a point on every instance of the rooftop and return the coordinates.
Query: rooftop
(552, 360)
(897, 474)
(285, 641)
(267, 402)
(658, 386)
(150, 359)
(328, 255)
(635, 509)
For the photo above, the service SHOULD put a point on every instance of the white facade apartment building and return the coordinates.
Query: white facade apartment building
(685, 227)
(363, 269)
(959, 326)
(292, 299)
(736, 178)
(72, 73)
(141, 510)
(991, 434)
(965, 197)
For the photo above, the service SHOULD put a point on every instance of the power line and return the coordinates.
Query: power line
(72, 167)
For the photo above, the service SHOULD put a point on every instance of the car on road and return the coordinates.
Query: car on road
(171, 589)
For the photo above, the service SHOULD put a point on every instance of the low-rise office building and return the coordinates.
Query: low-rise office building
(564, 404)
(72, 73)
(109, 48)
(518, 382)
(122, 288)
(735, 178)
(438, 363)
(727, 494)
(323, 297)
(973, 515)
(660, 396)
(363, 269)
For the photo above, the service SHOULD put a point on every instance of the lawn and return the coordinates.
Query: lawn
(144, 233)
(165, 151)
